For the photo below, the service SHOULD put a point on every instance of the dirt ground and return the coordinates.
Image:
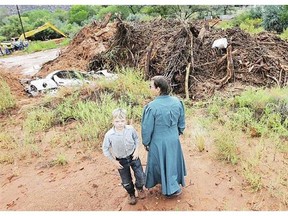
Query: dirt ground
(90, 183)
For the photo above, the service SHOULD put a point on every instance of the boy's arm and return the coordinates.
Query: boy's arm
(136, 141)
(106, 146)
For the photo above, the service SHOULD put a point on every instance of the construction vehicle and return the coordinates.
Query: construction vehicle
(39, 29)
(8, 47)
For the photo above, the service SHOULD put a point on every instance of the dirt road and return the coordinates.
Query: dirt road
(29, 64)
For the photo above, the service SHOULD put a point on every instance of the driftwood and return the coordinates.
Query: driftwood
(230, 68)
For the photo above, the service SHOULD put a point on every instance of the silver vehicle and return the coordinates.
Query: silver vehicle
(59, 78)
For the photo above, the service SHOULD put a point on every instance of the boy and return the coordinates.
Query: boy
(120, 145)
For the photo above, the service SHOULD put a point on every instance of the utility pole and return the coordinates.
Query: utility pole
(21, 22)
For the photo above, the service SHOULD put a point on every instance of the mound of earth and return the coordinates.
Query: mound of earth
(90, 41)
(13, 82)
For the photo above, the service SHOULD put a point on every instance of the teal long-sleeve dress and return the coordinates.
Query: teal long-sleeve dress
(163, 120)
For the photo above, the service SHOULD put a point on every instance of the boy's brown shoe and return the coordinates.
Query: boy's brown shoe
(141, 194)
(132, 200)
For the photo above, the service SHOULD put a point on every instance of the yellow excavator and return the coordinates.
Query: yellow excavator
(39, 29)
(20, 43)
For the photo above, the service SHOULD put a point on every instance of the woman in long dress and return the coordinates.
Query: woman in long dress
(163, 121)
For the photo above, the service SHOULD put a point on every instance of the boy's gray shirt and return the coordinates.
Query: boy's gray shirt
(120, 145)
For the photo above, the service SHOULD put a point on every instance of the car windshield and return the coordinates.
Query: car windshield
(71, 75)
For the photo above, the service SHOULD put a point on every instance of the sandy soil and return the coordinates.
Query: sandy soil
(89, 181)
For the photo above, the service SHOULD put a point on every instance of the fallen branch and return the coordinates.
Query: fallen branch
(225, 57)
(273, 78)
(187, 81)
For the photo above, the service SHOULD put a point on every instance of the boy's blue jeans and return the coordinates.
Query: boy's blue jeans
(126, 177)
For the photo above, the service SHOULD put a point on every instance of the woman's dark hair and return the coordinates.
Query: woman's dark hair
(162, 83)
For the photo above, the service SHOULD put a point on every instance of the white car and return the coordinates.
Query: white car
(63, 78)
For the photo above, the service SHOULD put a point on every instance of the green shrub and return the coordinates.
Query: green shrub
(7, 141)
(7, 100)
(284, 35)
(216, 106)
(35, 46)
(130, 87)
(242, 118)
(39, 119)
(225, 24)
(65, 110)
(226, 148)
(252, 26)
(65, 42)
(263, 109)
(60, 160)
(252, 177)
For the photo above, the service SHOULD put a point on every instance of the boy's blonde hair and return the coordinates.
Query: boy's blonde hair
(119, 113)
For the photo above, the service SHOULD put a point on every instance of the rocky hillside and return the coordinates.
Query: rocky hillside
(11, 9)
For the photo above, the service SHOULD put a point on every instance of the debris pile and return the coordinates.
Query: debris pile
(182, 51)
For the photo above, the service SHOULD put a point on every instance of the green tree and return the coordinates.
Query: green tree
(157, 10)
(272, 18)
(186, 11)
(60, 15)
(11, 27)
(36, 18)
(256, 12)
(284, 16)
(80, 13)
(122, 10)
(134, 9)
(223, 9)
